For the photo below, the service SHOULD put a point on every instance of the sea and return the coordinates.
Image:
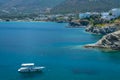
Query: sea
(59, 49)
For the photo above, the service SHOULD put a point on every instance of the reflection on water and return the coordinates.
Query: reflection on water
(31, 75)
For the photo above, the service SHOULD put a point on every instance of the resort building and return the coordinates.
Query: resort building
(84, 15)
(115, 12)
(106, 16)
(112, 14)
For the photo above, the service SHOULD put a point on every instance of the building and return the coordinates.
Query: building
(85, 15)
(112, 14)
(115, 12)
(107, 16)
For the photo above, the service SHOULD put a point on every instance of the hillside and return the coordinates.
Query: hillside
(85, 5)
(27, 6)
(109, 41)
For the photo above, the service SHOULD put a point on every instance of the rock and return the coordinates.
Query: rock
(84, 22)
(104, 30)
(78, 24)
(74, 24)
(110, 41)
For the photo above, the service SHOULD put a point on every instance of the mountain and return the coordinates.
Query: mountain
(85, 5)
(27, 6)
(58, 6)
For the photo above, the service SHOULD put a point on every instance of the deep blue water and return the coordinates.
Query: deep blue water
(57, 48)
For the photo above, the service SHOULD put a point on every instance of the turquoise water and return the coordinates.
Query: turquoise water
(57, 48)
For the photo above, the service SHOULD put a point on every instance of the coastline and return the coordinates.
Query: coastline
(24, 21)
(104, 30)
(109, 41)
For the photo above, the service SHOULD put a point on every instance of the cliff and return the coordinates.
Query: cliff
(109, 41)
(104, 29)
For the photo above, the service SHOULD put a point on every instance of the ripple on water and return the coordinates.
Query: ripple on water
(85, 71)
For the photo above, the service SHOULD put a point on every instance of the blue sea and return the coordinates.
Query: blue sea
(57, 48)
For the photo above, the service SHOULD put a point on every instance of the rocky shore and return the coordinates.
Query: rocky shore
(78, 24)
(109, 41)
(103, 30)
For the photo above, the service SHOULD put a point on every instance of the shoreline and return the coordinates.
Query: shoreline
(109, 41)
(98, 44)
(24, 21)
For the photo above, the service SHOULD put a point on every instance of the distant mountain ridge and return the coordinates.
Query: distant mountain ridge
(58, 6)
(27, 6)
(85, 5)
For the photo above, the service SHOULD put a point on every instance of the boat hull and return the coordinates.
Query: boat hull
(28, 70)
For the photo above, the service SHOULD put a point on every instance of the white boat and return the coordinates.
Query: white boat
(30, 67)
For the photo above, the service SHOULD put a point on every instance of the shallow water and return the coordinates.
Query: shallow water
(57, 48)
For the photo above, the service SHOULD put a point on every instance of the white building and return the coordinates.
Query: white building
(84, 15)
(107, 16)
(115, 12)
(112, 14)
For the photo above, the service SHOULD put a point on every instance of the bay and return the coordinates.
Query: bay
(57, 48)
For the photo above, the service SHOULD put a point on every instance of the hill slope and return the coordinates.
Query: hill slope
(28, 6)
(85, 5)
(109, 41)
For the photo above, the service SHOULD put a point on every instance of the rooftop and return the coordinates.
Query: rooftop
(28, 64)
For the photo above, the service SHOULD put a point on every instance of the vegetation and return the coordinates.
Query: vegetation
(27, 6)
(96, 21)
(85, 5)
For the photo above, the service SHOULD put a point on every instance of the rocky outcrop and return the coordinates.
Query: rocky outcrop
(78, 24)
(103, 30)
(74, 25)
(110, 41)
